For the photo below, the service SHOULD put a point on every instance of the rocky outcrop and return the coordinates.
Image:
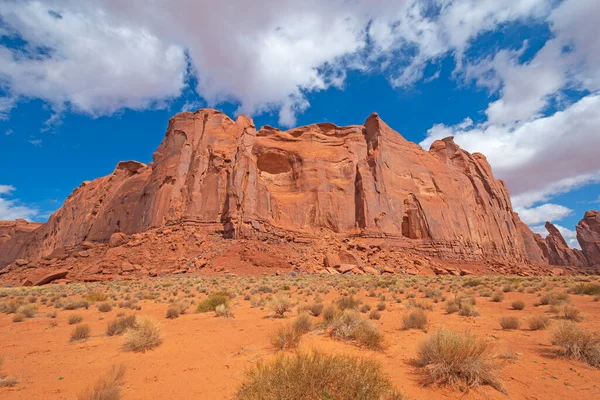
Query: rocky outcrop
(317, 181)
(588, 236)
(557, 251)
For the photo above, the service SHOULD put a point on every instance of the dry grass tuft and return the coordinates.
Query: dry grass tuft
(518, 305)
(5, 380)
(578, 343)
(317, 376)
(415, 319)
(280, 305)
(120, 325)
(81, 332)
(509, 323)
(285, 338)
(145, 334)
(538, 322)
(459, 360)
(223, 310)
(108, 387)
(350, 326)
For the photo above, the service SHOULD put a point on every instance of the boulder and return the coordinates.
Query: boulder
(343, 268)
(49, 277)
(332, 260)
(371, 270)
(20, 262)
(118, 239)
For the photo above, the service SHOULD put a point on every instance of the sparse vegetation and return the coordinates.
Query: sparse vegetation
(309, 376)
(120, 325)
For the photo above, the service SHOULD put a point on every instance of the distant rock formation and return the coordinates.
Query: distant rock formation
(316, 181)
(557, 252)
(588, 236)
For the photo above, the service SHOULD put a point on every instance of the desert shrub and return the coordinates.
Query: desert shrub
(350, 326)
(316, 309)
(329, 314)
(497, 297)
(578, 343)
(285, 337)
(280, 305)
(120, 325)
(308, 376)
(75, 319)
(415, 319)
(18, 317)
(173, 312)
(302, 323)
(145, 334)
(452, 306)
(374, 314)
(381, 306)
(81, 332)
(518, 305)
(108, 387)
(212, 301)
(459, 359)
(223, 310)
(94, 297)
(9, 307)
(467, 310)
(27, 310)
(589, 289)
(364, 308)
(5, 380)
(538, 322)
(509, 323)
(347, 303)
(104, 307)
(553, 298)
(571, 313)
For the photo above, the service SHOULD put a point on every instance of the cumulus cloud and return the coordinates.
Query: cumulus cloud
(539, 138)
(104, 55)
(13, 209)
(543, 213)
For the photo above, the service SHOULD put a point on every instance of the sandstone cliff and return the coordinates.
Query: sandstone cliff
(316, 181)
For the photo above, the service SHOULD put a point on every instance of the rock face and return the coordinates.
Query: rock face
(588, 236)
(309, 182)
(556, 250)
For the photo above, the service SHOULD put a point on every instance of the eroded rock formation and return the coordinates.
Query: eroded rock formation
(557, 252)
(316, 181)
(588, 236)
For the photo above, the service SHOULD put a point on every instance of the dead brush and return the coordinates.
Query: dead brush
(144, 335)
(459, 360)
(108, 387)
(578, 343)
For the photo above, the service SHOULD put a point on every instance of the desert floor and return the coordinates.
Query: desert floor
(205, 356)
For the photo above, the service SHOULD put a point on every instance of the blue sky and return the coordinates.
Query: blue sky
(85, 84)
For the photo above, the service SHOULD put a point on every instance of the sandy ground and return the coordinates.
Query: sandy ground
(205, 357)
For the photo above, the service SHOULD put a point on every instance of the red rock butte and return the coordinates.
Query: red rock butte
(218, 188)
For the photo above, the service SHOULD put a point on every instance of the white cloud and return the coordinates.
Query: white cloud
(90, 61)
(569, 235)
(540, 158)
(545, 212)
(13, 209)
(104, 55)
(6, 189)
(36, 142)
